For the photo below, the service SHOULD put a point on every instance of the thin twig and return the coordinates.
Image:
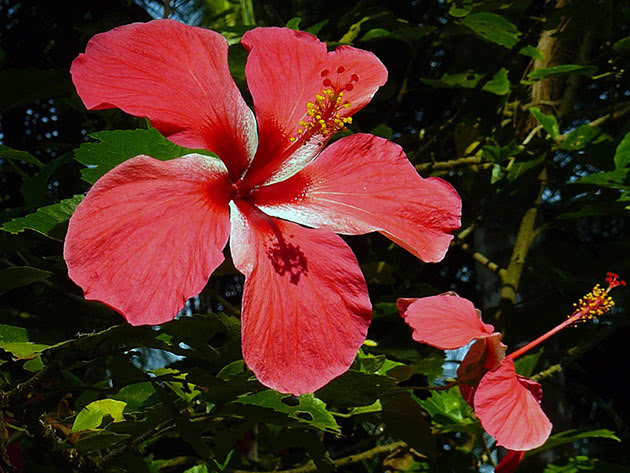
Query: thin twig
(310, 466)
(466, 161)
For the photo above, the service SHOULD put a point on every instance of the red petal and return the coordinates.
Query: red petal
(509, 411)
(149, 234)
(178, 77)
(446, 321)
(362, 184)
(284, 72)
(484, 355)
(305, 305)
(510, 462)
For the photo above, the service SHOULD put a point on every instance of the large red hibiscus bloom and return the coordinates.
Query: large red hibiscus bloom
(149, 233)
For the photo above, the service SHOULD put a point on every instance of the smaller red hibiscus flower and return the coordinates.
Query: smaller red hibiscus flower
(507, 404)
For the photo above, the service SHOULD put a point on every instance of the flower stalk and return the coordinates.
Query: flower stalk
(594, 304)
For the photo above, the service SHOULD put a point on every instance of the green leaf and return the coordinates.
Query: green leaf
(411, 34)
(459, 12)
(307, 408)
(520, 168)
(405, 418)
(617, 179)
(135, 395)
(383, 130)
(498, 154)
(16, 155)
(532, 52)
(570, 436)
(15, 341)
(46, 219)
(10, 333)
(316, 27)
(525, 364)
(549, 122)
(622, 154)
(353, 31)
(375, 33)
(597, 210)
(581, 137)
(354, 388)
(294, 23)
(583, 463)
(116, 147)
(34, 365)
(18, 276)
(493, 27)
(500, 84)
(91, 416)
(622, 47)
(545, 72)
(447, 407)
(466, 80)
(98, 440)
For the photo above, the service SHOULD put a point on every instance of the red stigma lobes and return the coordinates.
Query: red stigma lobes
(324, 115)
(597, 302)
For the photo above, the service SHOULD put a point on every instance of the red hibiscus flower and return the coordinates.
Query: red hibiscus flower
(150, 233)
(507, 404)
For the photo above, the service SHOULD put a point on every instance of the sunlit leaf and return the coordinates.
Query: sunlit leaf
(447, 406)
(294, 23)
(499, 84)
(532, 52)
(307, 408)
(91, 416)
(114, 147)
(15, 341)
(549, 122)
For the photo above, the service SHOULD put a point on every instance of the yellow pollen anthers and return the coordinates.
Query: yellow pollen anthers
(597, 302)
(324, 115)
(594, 304)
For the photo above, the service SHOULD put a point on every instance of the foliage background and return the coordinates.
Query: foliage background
(522, 105)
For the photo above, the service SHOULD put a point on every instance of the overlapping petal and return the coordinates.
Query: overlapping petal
(149, 234)
(305, 304)
(446, 321)
(485, 354)
(178, 77)
(363, 183)
(510, 462)
(509, 411)
(285, 70)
